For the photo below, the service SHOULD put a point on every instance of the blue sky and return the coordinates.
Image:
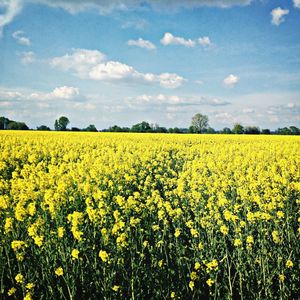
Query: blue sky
(107, 62)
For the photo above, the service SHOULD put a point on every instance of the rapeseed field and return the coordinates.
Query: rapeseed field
(149, 216)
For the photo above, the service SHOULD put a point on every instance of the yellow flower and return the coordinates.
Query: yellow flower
(289, 264)
(177, 232)
(11, 291)
(27, 296)
(194, 232)
(103, 255)
(237, 243)
(191, 285)
(280, 214)
(224, 229)
(75, 254)
(59, 271)
(200, 246)
(281, 277)
(276, 237)
(38, 240)
(193, 276)
(19, 278)
(173, 295)
(8, 226)
(30, 286)
(197, 266)
(115, 288)
(60, 232)
(213, 265)
(161, 263)
(210, 282)
(17, 245)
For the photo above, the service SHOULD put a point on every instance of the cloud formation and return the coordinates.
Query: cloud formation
(231, 80)
(170, 39)
(11, 9)
(107, 6)
(205, 41)
(142, 44)
(92, 64)
(59, 93)
(278, 15)
(14, 7)
(27, 58)
(297, 3)
(21, 38)
(175, 100)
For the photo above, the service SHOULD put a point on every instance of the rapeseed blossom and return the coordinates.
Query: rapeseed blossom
(103, 211)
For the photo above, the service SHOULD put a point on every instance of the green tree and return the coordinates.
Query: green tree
(61, 124)
(252, 130)
(91, 128)
(4, 122)
(17, 126)
(43, 127)
(199, 123)
(226, 130)
(265, 131)
(141, 127)
(238, 129)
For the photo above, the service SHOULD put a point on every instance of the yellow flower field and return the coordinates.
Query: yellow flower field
(149, 216)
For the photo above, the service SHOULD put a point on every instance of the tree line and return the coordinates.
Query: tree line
(199, 124)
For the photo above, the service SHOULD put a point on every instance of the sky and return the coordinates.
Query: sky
(107, 62)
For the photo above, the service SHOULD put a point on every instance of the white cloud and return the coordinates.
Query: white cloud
(11, 9)
(175, 101)
(80, 61)
(278, 15)
(91, 64)
(142, 44)
(248, 110)
(170, 39)
(231, 80)
(21, 38)
(108, 6)
(297, 3)
(205, 41)
(59, 93)
(138, 24)
(65, 92)
(170, 80)
(27, 58)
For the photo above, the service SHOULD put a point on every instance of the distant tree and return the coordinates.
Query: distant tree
(4, 122)
(199, 122)
(17, 126)
(283, 131)
(43, 127)
(176, 130)
(265, 131)
(161, 129)
(210, 130)
(191, 129)
(75, 129)
(238, 129)
(91, 128)
(294, 130)
(141, 127)
(226, 130)
(252, 130)
(171, 130)
(61, 124)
